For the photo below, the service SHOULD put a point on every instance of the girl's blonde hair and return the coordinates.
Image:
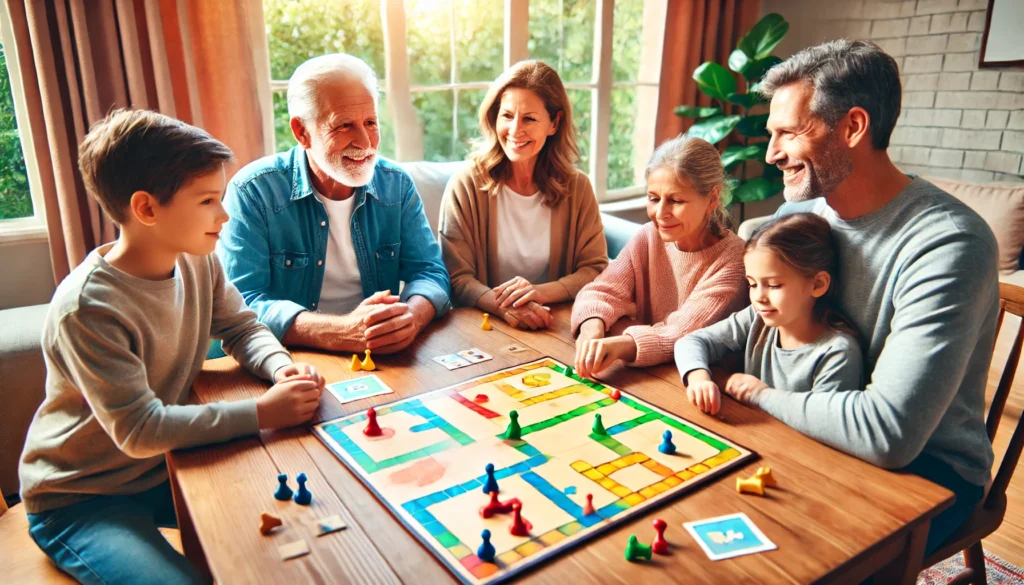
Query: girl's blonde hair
(697, 163)
(556, 161)
(805, 242)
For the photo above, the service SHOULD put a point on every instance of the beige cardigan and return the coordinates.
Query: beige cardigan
(469, 237)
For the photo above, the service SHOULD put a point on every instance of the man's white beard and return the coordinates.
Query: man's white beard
(348, 174)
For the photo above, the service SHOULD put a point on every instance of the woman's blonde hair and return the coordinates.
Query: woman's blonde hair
(698, 164)
(556, 160)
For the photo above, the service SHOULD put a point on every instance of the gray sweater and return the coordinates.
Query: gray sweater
(831, 362)
(918, 280)
(121, 354)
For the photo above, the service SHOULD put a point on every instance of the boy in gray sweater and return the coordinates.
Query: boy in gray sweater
(917, 272)
(125, 336)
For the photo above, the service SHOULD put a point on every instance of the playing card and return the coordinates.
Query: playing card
(330, 524)
(293, 550)
(452, 361)
(728, 536)
(515, 349)
(475, 355)
(358, 388)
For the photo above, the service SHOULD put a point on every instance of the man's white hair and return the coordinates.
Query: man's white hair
(303, 87)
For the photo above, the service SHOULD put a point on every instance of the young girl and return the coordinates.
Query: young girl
(678, 273)
(791, 336)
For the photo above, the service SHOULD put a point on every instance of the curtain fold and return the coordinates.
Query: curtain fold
(196, 60)
(696, 31)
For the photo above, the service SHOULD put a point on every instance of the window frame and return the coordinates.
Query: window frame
(409, 133)
(31, 228)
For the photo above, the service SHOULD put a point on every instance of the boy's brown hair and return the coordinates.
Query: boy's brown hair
(141, 150)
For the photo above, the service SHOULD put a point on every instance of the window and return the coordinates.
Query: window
(20, 215)
(436, 59)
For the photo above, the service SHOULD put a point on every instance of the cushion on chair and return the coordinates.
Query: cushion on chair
(430, 179)
(1001, 205)
(22, 384)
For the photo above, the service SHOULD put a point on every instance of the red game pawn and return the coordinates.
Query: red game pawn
(616, 394)
(372, 428)
(519, 526)
(496, 507)
(660, 545)
(588, 508)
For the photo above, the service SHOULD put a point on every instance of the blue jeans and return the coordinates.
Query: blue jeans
(967, 497)
(114, 539)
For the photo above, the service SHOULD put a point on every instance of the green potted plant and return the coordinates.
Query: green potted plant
(751, 59)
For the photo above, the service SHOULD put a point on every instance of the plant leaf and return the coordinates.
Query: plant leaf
(738, 60)
(756, 189)
(715, 80)
(747, 100)
(736, 154)
(696, 112)
(714, 129)
(753, 126)
(764, 36)
(755, 70)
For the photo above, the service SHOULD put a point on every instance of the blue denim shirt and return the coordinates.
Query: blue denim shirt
(274, 246)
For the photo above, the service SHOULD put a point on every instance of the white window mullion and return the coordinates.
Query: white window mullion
(517, 33)
(647, 88)
(454, 76)
(408, 133)
(601, 103)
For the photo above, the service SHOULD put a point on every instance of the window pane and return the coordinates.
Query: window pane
(428, 26)
(627, 35)
(580, 99)
(562, 35)
(469, 125)
(620, 145)
(434, 110)
(300, 29)
(285, 139)
(479, 39)
(15, 199)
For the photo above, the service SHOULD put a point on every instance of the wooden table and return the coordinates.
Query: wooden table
(834, 518)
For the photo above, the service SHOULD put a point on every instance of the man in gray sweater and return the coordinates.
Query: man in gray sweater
(917, 279)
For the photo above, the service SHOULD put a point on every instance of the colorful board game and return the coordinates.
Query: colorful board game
(428, 463)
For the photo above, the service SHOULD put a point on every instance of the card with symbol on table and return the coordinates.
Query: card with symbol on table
(358, 388)
(728, 536)
(475, 355)
(452, 361)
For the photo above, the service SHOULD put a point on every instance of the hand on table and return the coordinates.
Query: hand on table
(744, 387)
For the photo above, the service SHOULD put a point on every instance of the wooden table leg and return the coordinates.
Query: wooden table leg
(190, 546)
(905, 568)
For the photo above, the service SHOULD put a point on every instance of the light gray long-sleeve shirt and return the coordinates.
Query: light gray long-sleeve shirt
(831, 362)
(121, 353)
(918, 279)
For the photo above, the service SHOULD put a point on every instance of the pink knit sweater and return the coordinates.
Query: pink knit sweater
(664, 293)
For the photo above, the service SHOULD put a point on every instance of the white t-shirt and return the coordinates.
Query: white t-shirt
(524, 237)
(342, 290)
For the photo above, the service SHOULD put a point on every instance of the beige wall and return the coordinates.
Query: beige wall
(26, 276)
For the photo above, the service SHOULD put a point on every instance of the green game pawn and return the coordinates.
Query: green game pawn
(598, 426)
(568, 371)
(636, 551)
(513, 432)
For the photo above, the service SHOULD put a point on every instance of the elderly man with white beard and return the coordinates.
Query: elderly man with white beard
(321, 236)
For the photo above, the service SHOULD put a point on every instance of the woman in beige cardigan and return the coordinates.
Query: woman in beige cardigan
(520, 227)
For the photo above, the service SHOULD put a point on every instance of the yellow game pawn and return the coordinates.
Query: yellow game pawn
(486, 325)
(753, 485)
(368, 364)
(356, 365)
(765, 473)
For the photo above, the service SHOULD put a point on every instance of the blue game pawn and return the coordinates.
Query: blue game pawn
(486, 550)
(302, 497)
(666, 446)
(491, 485)
(283, 493)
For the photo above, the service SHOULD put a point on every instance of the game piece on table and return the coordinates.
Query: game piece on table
(495, 507)
(293, 550)
(765, 473)
(666, 446)
(481, 398)
(514, 431)
(356, 364)
(368, 364)
(283, 493)
(636, 551)
(616, 394)
(519, 526)
(372, 428)
(660, 545)
(328, 525)
(491, 485)
(486, 324)
(753, 485)
(568, 371)
(598, 428)
(302, 496)
(588, 508)
(486, 550)
(268, 522)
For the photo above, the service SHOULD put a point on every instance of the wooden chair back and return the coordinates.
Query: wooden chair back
(1011, 300)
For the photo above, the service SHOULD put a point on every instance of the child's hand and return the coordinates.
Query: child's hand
(288, 403)
(304, 370)
(705, 395)
(595, 355)
(744, 387)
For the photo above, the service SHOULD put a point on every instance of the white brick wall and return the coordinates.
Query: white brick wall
(957, 121)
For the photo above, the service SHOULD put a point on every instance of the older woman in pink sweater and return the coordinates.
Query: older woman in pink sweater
(679, 273)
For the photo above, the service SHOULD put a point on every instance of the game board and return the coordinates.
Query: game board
(428, 465)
